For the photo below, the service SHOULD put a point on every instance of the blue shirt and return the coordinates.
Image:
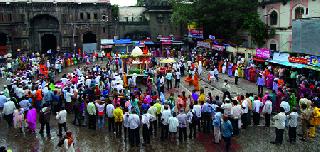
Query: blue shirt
(217, 120)
(169, 76)
(207, 108)
(227, 129)
(260, 81)
(3, 99)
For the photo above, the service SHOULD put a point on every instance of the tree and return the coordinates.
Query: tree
(222, 18)
(258, 30)
(140, 2)
(115, 12)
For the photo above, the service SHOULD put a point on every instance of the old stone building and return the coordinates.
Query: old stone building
(61, 26)
(150, 20)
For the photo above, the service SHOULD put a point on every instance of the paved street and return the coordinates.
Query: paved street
(253, 139)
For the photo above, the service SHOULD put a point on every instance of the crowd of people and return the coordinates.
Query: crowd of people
(103, 96)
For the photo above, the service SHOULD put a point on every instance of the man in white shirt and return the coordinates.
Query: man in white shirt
(134, 135)
(173, 126)
(257, 104)
(109, 111)
(197, 110)
(8, 109)
(280, 124)
(68, 97)
(245, 115)
(146, 123)
(285, 105)
(166, 113)
(236, 112)
(62, 119)
(267, 110)
(177, 80)
(236, 76)
(293, 123)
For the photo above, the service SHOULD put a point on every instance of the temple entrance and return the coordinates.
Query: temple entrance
(45, 34)
(3, 43)
(89, 41)
(48, 42)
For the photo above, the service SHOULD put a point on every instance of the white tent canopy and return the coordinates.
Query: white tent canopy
(136, 51)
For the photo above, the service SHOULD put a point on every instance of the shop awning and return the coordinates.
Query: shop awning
(148, 43)
(316, 68)
(286, 63)
(107, 41)
(177, 43)
(123, 41)
(258, 59)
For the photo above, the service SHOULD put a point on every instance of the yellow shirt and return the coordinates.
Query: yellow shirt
(118, 114)
(202, 98)
(158, 106)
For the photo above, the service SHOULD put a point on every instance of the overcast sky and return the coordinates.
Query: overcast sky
(124, 2)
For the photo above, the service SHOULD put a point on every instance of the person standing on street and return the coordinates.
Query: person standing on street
(165, 122)
(227, 130)
(134, 135)
(8, 110)
(118, 119)
(280, 124)
(44, 120)
(260, 83)
(109, 111)
(183, 120)
(169, 80)
(146, 123)
(267, 110)
(62, 119)
(236, 112)
(191, 116)
(236, 77)
(177, 80)
(293, 123)
(91, 108)
(257, 104)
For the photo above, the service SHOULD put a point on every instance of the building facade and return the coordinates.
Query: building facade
(151, 20)
(58, 25)
(279, 14)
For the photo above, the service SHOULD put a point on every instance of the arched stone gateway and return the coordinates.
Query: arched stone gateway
(44, 33)
(89, 42)
(3, 44)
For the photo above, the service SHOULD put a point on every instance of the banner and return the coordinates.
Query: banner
(203, 44)
(263, 53)
(218, 47)
(194, 31)
(314, 60)
(300, 60)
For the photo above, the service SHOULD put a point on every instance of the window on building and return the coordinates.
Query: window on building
(299, 11)
(273, 47)
(81, 16)
(64, 18)
(1, 17)
(104, 30)
(127, 19)
(22, 17)
(9, 17)
(103, 17)
(95, 16)
(88, 16)
(273, 18)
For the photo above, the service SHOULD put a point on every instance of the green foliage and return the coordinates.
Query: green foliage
(258, 30)
(115, 12)
(140, 2)
(222, 18)
(183, 13)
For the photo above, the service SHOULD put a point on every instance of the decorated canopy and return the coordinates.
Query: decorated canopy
(167, 60)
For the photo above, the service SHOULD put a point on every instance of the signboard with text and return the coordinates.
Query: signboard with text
(203, 44)
(194, 31)
(263, 53)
